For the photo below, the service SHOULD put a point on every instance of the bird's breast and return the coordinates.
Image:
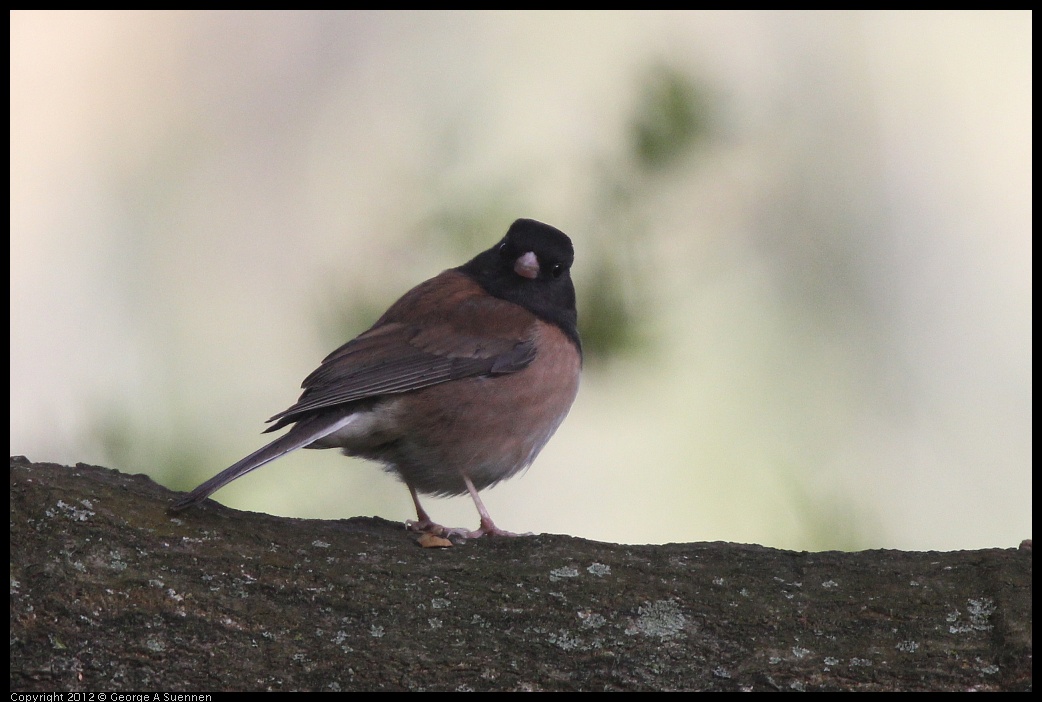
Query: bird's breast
(487, 428)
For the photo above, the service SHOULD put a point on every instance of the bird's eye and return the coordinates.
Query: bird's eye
(502, 250)
(556, 270)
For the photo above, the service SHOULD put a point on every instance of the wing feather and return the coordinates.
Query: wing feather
(423, 339)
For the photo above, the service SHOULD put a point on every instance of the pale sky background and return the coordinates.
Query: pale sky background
(835, 284)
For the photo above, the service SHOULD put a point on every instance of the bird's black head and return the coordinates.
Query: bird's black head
(531, 267)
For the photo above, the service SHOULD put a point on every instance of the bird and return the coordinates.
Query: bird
(457, 386)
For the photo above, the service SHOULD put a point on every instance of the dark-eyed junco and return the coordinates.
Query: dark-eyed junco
(456, 387)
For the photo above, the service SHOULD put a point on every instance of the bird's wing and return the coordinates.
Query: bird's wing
(445, 329)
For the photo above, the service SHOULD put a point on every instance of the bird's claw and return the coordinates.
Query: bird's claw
(426, 526)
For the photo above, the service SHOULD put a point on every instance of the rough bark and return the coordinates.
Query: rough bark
(109, 593)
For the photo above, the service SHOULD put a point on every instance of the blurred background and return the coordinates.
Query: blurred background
(803, 253)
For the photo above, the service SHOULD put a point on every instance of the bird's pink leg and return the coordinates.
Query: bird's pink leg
(423, 521)
(487, 526)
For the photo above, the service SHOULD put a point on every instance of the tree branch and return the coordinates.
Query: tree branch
(110, 593)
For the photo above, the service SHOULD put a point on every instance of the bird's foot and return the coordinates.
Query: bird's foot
(424, 524)
(487, 528)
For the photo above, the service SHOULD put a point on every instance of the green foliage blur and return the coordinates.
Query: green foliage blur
(670, 119)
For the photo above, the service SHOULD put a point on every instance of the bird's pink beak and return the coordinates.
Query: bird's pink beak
(527, 265)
